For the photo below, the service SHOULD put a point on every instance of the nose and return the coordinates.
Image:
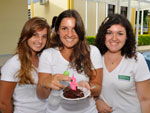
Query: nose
(70, 33)
(40, 39)
(114, 36)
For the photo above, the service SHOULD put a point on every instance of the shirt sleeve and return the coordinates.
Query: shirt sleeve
(142, 72)
(96, 57)
(10, 69)
(45, 62)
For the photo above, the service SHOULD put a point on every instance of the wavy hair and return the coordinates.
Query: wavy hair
(24, 51)
(80, 57)
(129, 49)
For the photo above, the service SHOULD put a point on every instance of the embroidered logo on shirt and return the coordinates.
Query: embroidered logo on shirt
(124, 77)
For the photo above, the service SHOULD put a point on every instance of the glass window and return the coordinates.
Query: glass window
(111, 9)
(29, 13)
(124, 11)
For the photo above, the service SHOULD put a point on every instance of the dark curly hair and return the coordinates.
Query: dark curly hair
(129, 49)
(80, 57)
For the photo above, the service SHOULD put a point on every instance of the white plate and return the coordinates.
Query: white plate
(85, 91)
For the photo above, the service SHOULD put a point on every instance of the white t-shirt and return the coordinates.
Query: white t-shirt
(119, 90)
(51, 61)
(25, 99)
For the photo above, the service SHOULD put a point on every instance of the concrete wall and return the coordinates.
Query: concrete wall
(13, 16)
(79, 5)
(55, 7)
(49, 10)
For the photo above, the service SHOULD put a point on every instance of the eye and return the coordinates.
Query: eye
(44, 36)
(64, 28)
(35, 34)
(120, 33)
(108, 32)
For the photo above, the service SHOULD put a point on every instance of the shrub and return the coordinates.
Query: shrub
(90, 39)
(144, 39)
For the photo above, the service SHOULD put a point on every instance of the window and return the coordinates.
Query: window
(29, 13)
(111, 9)
(124, 11)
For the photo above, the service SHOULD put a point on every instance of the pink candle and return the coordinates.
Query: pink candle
(73, 83)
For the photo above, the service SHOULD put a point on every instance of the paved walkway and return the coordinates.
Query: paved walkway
(144, 48)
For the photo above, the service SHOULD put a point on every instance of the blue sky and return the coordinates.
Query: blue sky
(33, 1)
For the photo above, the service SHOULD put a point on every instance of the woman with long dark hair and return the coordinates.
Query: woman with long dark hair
(70, 52)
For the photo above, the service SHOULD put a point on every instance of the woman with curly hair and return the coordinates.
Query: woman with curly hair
(19, 74)
(126, 76)
(70, 52)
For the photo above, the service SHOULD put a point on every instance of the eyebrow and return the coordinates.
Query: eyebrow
(118, 31)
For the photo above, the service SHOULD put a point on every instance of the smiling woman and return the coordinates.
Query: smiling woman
(19, 74)
(125, 75)
(69, 52)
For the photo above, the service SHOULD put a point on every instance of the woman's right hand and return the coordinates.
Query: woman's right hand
(47, 81)
(54, 81)
(102, 107)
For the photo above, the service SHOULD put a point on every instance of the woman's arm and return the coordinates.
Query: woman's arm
(42, 91)
(143, 91)
(102, 107)
(97, 81)
(6, 92)
(47, 82)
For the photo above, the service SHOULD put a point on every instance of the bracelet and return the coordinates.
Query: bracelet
(96, 98)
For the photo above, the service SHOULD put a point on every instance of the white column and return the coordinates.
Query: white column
(106, 9)
(137, 24)
(86, 17)
(142, 22)
(118, 7)
(97, 8)
(129, 10)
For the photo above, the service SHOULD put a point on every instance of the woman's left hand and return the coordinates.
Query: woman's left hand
(84, 84)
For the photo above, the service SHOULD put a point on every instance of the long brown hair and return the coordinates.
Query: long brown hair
(24, 51)
(80, 57)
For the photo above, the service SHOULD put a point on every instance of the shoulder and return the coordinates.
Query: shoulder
(94, 48)
(49, 54)
(140, 56)
(50, 50)
(96, 57)
(12, 62)
(10, 69)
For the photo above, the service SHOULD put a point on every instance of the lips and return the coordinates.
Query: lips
(114, 43)
(38, 46)
(69, 39)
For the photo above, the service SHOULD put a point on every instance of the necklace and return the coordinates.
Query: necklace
(112, 61)
(115, 61)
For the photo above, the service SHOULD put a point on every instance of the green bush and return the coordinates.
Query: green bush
(90, 39)
(142, 39)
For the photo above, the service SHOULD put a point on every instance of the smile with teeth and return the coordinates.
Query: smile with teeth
(69, 39)
(38, 45)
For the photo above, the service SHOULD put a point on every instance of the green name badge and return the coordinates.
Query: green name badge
(124, 77)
